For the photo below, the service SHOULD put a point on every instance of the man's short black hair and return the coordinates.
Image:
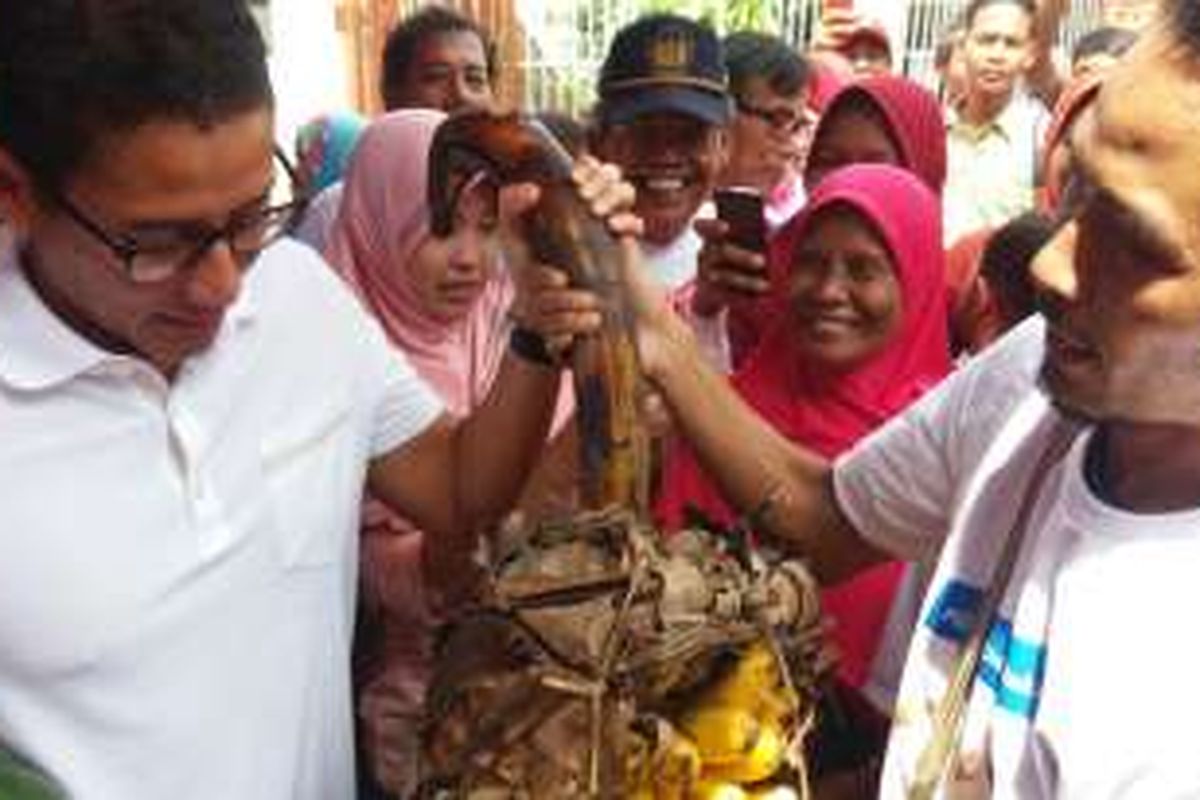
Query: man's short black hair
(749, 54)
(74, 71)
(406, 38)
(1108, 40)
(1007, 256)
(975, 6)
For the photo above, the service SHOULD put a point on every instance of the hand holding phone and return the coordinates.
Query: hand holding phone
(742, 210)
(732, 263)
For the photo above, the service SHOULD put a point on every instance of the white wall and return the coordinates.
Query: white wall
(308, 66)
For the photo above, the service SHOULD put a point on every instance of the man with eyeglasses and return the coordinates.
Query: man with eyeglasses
(662, 117)
(191, 406)
(768, 138)
(769, 83)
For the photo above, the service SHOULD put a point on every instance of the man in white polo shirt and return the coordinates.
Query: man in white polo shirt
(188, 417)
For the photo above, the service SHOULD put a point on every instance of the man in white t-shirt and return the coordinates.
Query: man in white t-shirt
(1083, 686)
(190, 410)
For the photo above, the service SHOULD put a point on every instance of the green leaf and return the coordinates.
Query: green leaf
(19, 781)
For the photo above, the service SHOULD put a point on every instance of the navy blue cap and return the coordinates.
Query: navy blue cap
(664, 62)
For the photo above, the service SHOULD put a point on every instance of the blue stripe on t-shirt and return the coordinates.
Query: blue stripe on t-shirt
(1012, 667)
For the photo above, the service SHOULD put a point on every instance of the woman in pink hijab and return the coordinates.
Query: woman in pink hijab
(443, 302)
(860, 334)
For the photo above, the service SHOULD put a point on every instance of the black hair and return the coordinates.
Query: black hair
(975, 6)
(1185, 22)
(749, 54)
(74, 71)
(1113, 41)
(405, 39)
(1004, 264)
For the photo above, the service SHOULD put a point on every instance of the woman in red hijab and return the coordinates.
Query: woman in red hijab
(884, 119)
(860, 334)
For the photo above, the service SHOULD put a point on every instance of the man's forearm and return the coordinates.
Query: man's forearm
(755, 466)
(1043, 77)
(498, 446)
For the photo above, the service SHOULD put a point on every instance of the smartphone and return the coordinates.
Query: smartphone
(741, 208)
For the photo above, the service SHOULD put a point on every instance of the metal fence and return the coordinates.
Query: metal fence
(928, 21)
(556, 47)
(562, 64)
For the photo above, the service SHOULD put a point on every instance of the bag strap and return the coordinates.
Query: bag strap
(948, 718)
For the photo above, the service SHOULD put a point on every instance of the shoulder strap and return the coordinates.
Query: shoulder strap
(947, 720)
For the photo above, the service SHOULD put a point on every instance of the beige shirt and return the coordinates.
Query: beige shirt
(991, 168)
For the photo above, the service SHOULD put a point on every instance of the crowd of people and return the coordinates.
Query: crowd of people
(258, 413)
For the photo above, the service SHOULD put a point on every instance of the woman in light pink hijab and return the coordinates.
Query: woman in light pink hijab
(443, 302)
(451, 326)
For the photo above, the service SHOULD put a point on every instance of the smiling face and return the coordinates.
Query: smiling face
(160, 175)
(450, 274)
(673, 161)
(844, 294)
(1121, 279)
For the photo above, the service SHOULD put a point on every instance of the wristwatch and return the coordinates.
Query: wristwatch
(530, 345)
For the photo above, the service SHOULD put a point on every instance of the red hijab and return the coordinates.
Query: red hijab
(914, 123)
(914, 119)
(829, 412)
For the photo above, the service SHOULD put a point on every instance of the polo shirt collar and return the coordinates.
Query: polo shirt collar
(39, 351)
(1006, 123)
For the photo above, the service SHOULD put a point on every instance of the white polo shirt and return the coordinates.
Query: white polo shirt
(178, 562)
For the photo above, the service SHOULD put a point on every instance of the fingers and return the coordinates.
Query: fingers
(711, 228)
(625, 223)
(729, 267)
(602, 187)
(555, 311)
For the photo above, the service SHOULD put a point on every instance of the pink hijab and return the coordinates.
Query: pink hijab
(383, 220)
(830, 412)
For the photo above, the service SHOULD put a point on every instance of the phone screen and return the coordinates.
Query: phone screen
(742, 210)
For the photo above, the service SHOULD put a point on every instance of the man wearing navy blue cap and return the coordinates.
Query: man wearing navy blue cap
(662, 116)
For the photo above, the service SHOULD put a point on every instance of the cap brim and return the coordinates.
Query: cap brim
(624, 107)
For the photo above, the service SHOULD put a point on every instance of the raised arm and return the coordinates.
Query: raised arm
(749, 460)
(1043, 76)
(457, 479)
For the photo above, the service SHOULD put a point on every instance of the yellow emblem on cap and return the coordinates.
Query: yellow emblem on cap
(671, 53)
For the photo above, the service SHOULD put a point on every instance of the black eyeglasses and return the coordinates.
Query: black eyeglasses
(158, 255)
(784, 120)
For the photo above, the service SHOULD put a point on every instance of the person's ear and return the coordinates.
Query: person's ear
(17, 195)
